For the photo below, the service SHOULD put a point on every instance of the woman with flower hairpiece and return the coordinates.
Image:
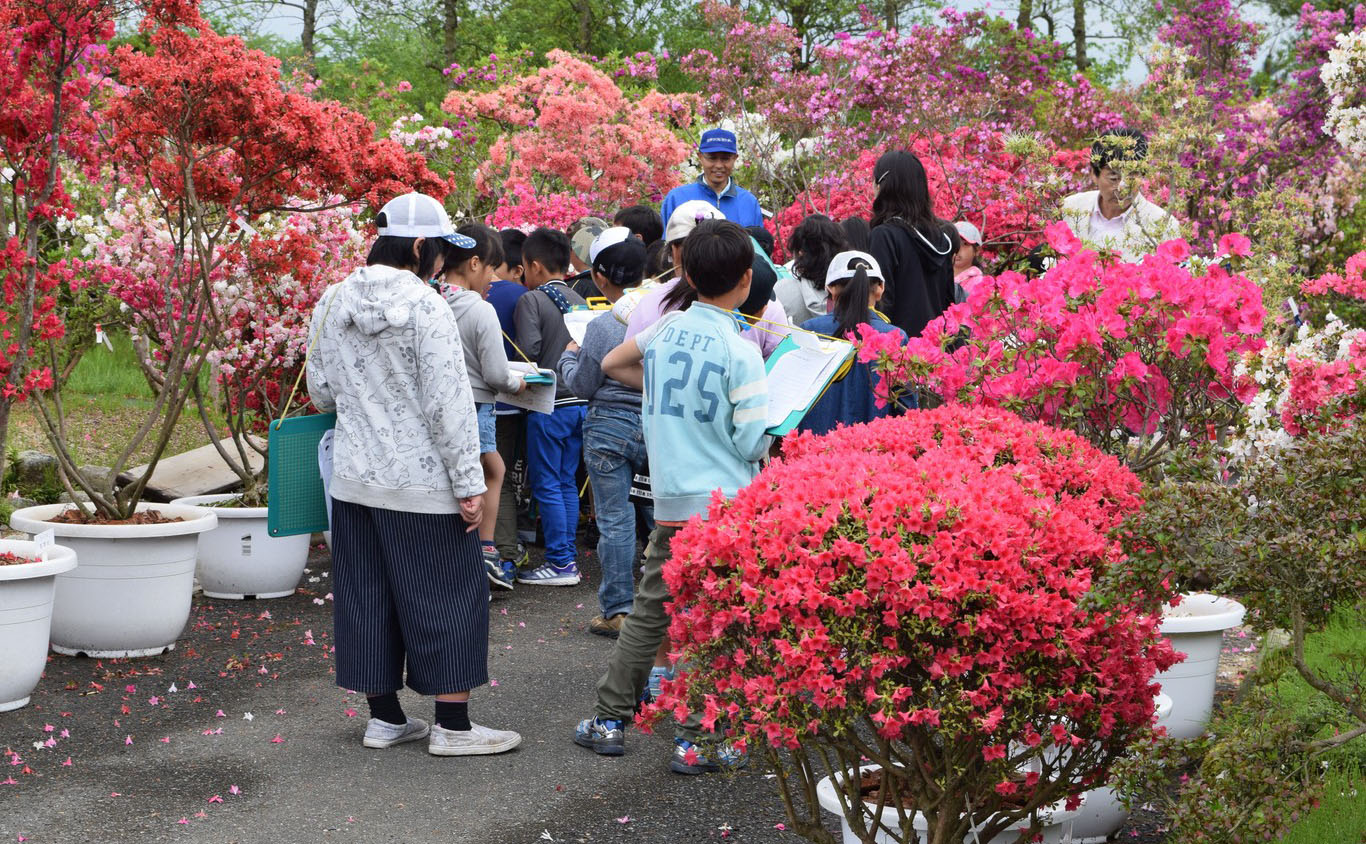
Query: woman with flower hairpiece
(913, 247)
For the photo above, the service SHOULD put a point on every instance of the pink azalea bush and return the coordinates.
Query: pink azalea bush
(569, 129)
(1314, 378)
(1008, 186)
(913, 592)
(1137, 358)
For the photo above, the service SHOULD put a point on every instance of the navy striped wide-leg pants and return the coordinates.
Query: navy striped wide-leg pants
(408, 587)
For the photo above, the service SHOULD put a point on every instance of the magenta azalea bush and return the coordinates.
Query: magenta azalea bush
(1136, 358)
(914, 592)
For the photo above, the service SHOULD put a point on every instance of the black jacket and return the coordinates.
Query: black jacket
(918, 271)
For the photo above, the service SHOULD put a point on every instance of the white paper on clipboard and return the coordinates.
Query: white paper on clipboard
(538, 398)
(577, 323)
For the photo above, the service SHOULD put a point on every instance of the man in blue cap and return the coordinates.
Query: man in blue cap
(717, 154)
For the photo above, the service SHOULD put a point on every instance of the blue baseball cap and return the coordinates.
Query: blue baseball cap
(718, 140)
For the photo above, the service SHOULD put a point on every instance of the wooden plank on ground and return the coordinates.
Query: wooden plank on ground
(200, 471)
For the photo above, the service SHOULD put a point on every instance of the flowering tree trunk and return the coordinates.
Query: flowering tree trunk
(208, 140)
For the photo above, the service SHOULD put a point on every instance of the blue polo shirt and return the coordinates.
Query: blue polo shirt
(503, 296)
(737, 204)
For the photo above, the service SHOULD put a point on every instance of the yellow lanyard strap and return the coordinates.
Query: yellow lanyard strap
(309, 351)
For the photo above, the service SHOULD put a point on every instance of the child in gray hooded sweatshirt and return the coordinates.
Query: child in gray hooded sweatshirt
(406, 488)
(468, 273)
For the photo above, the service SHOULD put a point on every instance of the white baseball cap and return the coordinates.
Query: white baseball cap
(686, 217)
(845, 264)
(608, 237)
(419, 215)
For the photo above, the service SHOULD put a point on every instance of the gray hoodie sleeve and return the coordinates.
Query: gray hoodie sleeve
(319, 391)
(493, 358)
(445, 398)
(528, 326)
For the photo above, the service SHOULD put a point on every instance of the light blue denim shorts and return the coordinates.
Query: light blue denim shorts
(488, 427)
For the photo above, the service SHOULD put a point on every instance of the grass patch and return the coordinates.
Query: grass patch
(1339, 652)
(110, 374)
(1341, 815)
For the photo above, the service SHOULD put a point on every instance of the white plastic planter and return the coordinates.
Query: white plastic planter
(26, 593)
(129, 594)
(1057, 820)
(240, 559)
(1196, 628)
(1102, 814)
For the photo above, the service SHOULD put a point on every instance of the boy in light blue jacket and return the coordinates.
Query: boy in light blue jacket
(704, 414)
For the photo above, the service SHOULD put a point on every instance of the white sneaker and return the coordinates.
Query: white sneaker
(476, 741)
(381, 734)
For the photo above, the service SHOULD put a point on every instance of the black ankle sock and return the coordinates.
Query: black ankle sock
(453, 714)
(386, 708)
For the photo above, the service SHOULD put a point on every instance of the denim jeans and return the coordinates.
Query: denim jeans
(554, 443)
(614, 450)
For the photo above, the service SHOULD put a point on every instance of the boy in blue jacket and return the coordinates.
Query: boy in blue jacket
(704, 388)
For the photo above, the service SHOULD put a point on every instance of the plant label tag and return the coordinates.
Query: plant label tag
(44, 541)
(245, 226)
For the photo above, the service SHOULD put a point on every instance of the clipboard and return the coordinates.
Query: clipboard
(296, 496)
(539, 395)
(802, 368)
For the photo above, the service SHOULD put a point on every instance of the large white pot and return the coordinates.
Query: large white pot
(240, 559)
(26, 617)
(129, 594)
(1102, 813)
(1196, 628)
(1057, 820)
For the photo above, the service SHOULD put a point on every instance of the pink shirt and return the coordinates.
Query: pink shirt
(767, 335)
(967, 279)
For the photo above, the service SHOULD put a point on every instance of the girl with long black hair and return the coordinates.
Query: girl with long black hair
(856, 284)
(913, 246)
(812, 244)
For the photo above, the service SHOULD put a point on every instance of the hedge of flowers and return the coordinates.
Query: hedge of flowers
(914, 591)
(1137, 358)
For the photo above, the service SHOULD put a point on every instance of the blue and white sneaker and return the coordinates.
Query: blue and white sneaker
(551, 575)
(493, 567)
(689, 759)
(604, 736)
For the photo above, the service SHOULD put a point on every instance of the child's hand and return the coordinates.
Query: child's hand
(571, 346)
(472, 511)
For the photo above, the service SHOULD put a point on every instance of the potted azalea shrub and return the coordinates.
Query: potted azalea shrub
(27, 582)
(1142, 360)
(203, 139)
(1288, 534)
(897, 615)
(267, 291)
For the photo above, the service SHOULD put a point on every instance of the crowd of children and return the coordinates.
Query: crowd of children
(661, 402)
